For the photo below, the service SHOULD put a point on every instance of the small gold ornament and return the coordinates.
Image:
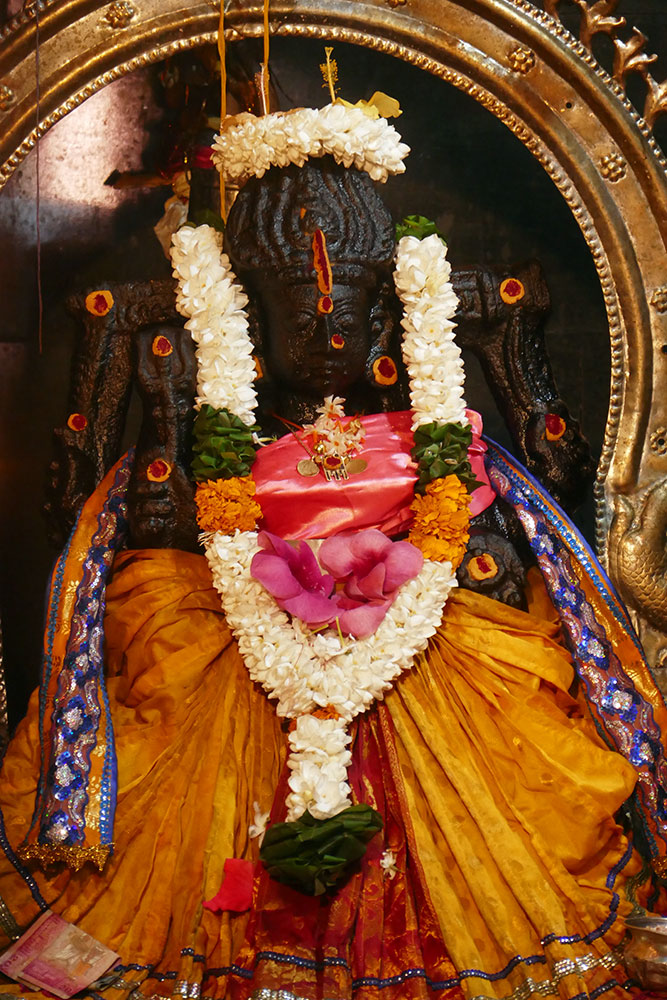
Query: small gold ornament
(522, 59)
(613, 167)
(119, 14)
(306, 467)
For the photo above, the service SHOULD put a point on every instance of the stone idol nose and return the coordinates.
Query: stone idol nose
(329, 330)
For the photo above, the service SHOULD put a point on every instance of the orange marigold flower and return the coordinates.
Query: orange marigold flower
(441, 549)
(227, 504)
(329, 712)
(440, 527)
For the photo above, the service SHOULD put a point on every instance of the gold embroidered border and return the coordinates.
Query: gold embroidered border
(546, 987)
(561, 968)
(73, 855)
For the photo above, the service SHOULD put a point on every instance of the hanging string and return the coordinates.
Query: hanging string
(223, 97)
(38, 232)
(266, 102)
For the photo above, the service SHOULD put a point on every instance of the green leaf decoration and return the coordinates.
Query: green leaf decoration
(207, 217)
(442, 450)
(315, 855)
(222, 445)
(419, 226)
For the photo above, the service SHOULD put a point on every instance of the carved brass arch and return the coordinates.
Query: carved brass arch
(523, 66)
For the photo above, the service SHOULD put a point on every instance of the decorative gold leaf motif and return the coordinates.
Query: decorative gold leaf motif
(596, 19)
(629, 56)
(656, 99)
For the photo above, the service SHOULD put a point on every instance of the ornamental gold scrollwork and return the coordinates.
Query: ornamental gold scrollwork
(629, 55)
(638, 553)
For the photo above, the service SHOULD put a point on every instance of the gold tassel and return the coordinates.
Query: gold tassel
(73, 855)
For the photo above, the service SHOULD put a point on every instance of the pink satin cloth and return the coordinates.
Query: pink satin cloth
(296, 506)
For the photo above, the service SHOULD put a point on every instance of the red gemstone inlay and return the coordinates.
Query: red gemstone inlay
(331, 462)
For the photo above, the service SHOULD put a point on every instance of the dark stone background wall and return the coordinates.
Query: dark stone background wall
(487, 193)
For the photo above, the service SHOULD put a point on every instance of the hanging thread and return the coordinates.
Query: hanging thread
(223, 97)
(38, 233)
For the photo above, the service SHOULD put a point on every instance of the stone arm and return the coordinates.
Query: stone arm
(90, 439)
(508, 339)
(505, 331)
(161, 507)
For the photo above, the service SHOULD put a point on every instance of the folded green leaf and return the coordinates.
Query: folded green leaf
(419, 226)
(223, 445)
(313, 855)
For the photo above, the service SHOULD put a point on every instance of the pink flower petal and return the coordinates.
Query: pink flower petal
(370, 587)
(336, 556)
(313, 609)
(274, 573)
(275, 544)
(402, 564)
(307, 570)
(363, 620)
(370, 546)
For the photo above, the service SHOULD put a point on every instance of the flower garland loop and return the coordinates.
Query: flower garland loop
(248, 145)
(318, 678)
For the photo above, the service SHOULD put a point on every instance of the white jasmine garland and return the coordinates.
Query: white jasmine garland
(307, 670)
(301, 669)
(248, 146)
(431, 355)
(214, 304)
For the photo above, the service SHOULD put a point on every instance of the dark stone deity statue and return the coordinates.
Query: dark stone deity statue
(303, 356)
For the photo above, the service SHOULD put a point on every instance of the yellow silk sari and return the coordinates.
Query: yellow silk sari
(509, 798)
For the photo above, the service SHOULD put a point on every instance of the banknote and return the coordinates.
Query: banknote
(56, 956)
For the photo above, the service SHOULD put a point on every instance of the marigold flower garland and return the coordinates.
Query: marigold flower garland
(319, 679)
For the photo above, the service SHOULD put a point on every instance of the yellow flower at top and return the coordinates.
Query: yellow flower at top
(227, 504)
(441, 522)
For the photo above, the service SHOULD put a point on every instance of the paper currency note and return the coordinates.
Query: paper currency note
(56, 956)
